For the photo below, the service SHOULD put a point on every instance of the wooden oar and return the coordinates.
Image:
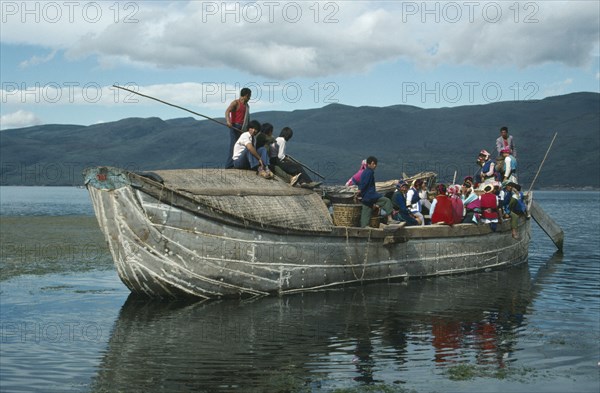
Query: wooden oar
(548, 225)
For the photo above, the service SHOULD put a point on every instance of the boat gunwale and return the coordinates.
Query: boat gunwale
(390, 233)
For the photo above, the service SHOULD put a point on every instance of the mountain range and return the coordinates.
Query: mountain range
(332, 141)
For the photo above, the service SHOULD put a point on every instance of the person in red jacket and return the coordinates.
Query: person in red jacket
(457, 204)
(489, 206)
(441, 207)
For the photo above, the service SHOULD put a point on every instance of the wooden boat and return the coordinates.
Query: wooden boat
(212, 233)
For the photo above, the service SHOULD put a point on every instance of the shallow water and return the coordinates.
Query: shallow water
(73, 326)
(44, 201)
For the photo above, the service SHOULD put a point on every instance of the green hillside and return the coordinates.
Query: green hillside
(332, 140)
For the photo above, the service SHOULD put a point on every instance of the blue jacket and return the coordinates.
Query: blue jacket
(399, 201)
(367, 187)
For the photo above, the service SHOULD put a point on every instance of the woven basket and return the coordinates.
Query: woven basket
(375, 221)
(347, 215)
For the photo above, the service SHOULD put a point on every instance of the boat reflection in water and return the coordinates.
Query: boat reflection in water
(386, 332)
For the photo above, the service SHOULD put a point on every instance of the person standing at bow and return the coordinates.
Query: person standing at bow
(237, 116)
(505, 141)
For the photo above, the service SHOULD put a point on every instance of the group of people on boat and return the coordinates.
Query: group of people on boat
(253, 146)
(490, 196)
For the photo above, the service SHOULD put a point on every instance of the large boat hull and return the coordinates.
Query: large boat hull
(163, 250)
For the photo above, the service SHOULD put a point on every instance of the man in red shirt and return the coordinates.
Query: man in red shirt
(237, 116)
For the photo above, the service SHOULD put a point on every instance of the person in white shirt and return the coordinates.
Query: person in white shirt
(413, 201)
(295, 170)
(246, 156)
(510, 167)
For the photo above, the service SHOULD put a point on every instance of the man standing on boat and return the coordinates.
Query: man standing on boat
(237, 116)
(371, 199)
(505, 141)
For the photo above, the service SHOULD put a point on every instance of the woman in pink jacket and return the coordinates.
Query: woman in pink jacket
(355, 179)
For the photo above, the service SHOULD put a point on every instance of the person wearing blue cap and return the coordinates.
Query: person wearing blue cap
(402, 213)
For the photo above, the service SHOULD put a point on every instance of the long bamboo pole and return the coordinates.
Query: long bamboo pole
(542, 163)
(305, 166)
(175, 106)
(206, 117)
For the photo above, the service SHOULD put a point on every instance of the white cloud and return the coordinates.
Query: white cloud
(19, 119)
(541, 32)
(37, 60)
(309, 39)
(557, 88)
(194, 95)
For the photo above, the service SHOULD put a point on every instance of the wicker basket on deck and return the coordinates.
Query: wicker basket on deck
(347, 215)
(375, 221)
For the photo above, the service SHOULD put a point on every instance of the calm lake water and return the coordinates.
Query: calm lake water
(69, 325)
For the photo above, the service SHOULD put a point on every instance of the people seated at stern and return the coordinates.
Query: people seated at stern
(489, 206)
(447, 207)
(246, 156)
(401, 210)
(413, 200)
(441, 208)
(457, 203)
(424, 195)
(371, 199)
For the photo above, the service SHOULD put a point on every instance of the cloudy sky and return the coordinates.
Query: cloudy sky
(59, 60)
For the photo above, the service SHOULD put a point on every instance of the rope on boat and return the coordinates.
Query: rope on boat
(364, 265)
